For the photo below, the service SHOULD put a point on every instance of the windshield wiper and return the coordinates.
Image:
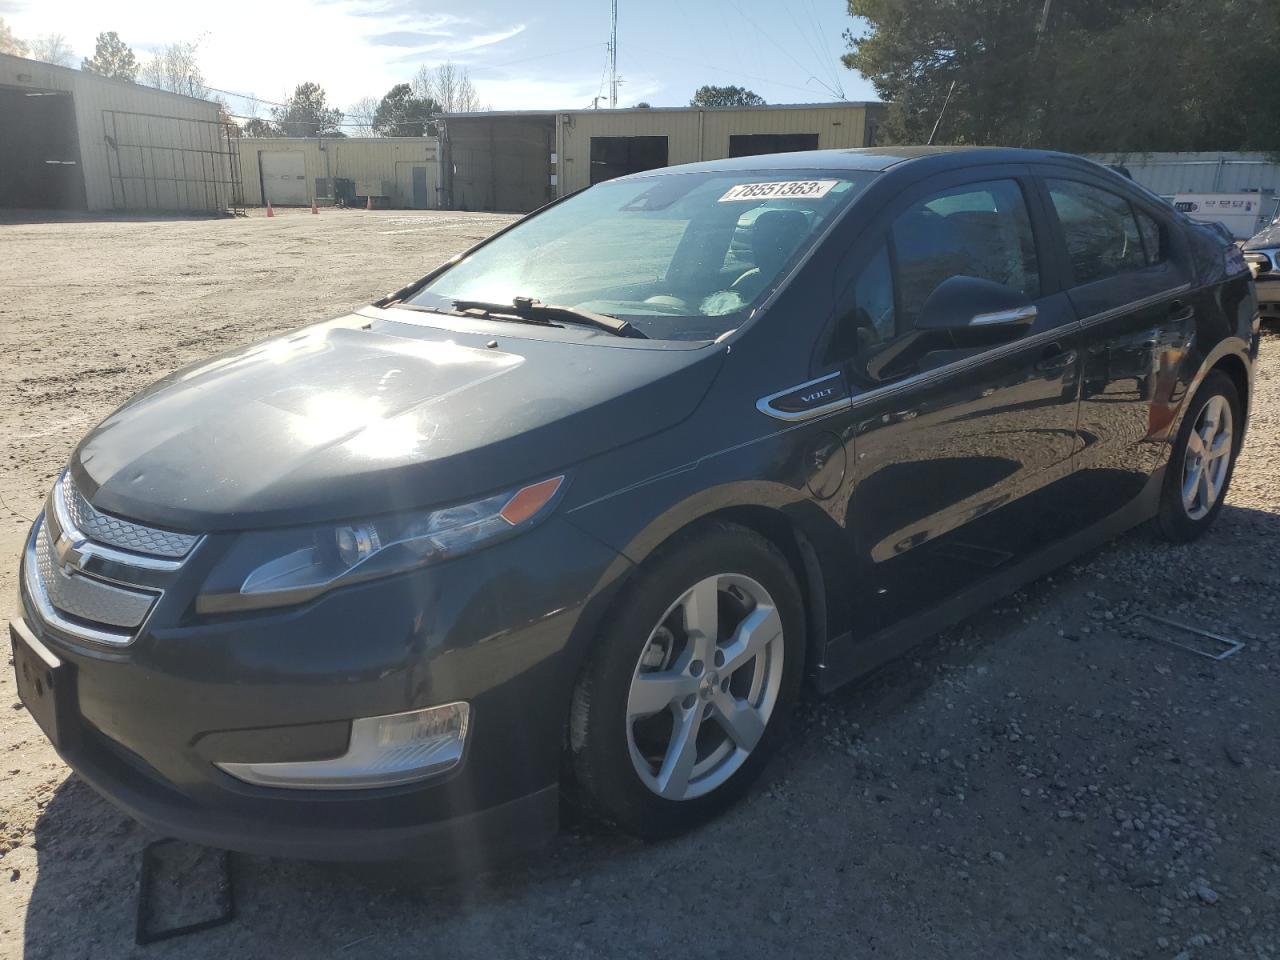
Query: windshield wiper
(529, 310)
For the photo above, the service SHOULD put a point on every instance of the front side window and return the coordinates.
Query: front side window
(1101, 232)
(680, 256)
(978, 230)
(1153, 238)
(875, 318)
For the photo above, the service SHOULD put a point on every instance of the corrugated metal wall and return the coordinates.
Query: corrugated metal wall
(164, 131)
(360, 159)
(694, 135)
(501, 163)
(1171, 173)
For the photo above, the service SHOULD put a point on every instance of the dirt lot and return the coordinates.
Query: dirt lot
(1035, 783)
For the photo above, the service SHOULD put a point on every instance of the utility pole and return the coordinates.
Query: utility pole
(613, 55)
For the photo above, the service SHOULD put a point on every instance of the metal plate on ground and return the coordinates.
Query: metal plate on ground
(183, 888)
(1184, 636)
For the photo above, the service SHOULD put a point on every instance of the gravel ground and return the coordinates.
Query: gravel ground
(1036, 782)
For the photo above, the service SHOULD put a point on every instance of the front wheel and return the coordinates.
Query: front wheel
(1203, 458)
(684, 698)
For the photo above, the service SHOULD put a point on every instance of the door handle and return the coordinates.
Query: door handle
(1180, 311)
(1055, 357)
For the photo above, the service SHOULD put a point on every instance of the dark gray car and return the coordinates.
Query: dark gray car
(582, 510)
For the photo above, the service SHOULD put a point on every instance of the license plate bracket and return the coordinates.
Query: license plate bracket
(46, 687)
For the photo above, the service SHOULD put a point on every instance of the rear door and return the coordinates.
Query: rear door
(1128, 281)
(957, 448)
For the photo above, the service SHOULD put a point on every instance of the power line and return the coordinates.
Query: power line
(709, 66)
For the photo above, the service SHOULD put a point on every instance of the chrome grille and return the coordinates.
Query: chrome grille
(115, 532)
(65, 592)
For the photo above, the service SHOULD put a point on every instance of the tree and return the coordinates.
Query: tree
(257, 127)
(53, 48)
(643, 105)
(111, 58)
(9, 43)
(401, 114)
(449, 86)
(712, 96)
(361, 114)
(305, 114)
(176, 68)
(1090, 75)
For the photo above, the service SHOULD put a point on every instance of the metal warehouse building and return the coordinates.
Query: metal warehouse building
(519, 160)
(291, 171)
(77, 141)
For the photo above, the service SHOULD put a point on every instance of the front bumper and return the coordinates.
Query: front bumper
(503, 629)
(1267, 289)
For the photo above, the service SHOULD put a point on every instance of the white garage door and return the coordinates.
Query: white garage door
(284, 178)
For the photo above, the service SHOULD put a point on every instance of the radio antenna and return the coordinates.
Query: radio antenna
(613, 54)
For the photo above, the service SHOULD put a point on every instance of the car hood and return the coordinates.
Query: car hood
(369, 414)
(1265, 239)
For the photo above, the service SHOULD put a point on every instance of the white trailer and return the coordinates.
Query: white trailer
(1244, 214)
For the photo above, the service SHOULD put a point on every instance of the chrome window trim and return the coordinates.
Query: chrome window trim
(50, 616)
(765, 404)
(1139, 304)
(957, 366)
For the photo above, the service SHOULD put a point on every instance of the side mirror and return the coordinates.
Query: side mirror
(972, 304)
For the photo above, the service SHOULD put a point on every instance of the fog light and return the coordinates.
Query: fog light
(383, 752)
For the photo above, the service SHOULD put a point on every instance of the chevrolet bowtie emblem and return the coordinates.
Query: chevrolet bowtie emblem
(69, 555)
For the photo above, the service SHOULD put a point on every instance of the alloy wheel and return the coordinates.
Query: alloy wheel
(1207, 458)
(705, 686)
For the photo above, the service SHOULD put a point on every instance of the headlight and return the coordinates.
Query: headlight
(306, 562)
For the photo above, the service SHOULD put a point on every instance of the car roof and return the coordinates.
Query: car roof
(873, 159)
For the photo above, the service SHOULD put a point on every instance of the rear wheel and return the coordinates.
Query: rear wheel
(684, 698)
(1203, 459)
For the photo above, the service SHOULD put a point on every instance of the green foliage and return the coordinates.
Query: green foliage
(712, 96)
(111, 58)
(1128, 76)
(257, 127)
(305, 114)
(400, 114)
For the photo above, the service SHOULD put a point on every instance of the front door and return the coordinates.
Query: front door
(1129, 287)
(957, 446)
(419, 188)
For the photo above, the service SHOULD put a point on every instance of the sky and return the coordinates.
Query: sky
(520, 55)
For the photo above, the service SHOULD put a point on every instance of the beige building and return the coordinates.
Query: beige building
(520, 160)
(76, 141)
(401, 172)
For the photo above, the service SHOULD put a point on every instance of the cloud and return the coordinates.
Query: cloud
(404, 38)
(448, 49)
(391, 9)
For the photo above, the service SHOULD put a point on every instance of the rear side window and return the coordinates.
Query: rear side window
(1101, 231)
(978, 230)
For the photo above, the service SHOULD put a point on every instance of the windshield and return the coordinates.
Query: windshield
(680, 256)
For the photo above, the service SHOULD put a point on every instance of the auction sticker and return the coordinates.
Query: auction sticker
(779, 190)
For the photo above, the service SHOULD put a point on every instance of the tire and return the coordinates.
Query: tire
(1182, 518)
(625, 763)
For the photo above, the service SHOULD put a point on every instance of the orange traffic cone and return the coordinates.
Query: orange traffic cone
(368, 203)
(313, 205)
(270, 212)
